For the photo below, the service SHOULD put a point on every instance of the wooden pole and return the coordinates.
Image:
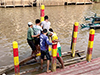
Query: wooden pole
(14, 3)
(5, 3)
(16, 58)
(23, 3)
(54, 55)
(42, 12)
(74, 38)
(90, 45)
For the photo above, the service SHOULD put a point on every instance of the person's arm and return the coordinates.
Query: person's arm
(41, 24)
(41, 28)
(50, 23)
(47, 41)
(57, 40)
(32, 35)
(35, 35)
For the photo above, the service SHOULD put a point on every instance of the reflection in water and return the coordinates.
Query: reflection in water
(13, 27)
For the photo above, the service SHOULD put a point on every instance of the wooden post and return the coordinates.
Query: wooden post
(16, 58)
(42, 12)
(90, 45)
(14, 3)
(74, 38)
(5, 3)
(23, 3)
(54, 54)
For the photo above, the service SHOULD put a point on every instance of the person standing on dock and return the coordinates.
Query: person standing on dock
(44, 42)
(45, 24)
(55, 39)
(30, 38)
(37, 30)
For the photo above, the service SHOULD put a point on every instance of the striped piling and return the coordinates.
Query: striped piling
(42, 13)
(54, 54)
(90, 45)
(74, 38)
(16, 58)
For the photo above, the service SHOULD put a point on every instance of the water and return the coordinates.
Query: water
(13, 27)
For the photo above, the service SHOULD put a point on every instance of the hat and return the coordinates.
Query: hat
(30, 23)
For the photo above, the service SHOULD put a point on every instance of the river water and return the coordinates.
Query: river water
(13, 27)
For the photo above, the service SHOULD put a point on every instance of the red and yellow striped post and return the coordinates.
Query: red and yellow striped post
(16, 58)
(90, 45)
(42, 12)
(54, 55)
(74, 38)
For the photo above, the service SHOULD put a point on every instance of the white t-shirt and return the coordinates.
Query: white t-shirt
(37, 29)
(46, 25)
(58, 45)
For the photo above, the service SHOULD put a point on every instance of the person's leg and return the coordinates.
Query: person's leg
(32, 53)
(30, 44)
(41, 63)
(61, 61)
(36, 44)
(48, 60)
(59, 56)
(42, 57)
(48, 63)
(37, 48)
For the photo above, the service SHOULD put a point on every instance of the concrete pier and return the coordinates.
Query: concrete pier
(24, 3)
(62, 2)
(16, 3)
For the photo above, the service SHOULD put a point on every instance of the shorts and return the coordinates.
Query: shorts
(59, 52)
(46, 52)
(37, 41)
(31, 44)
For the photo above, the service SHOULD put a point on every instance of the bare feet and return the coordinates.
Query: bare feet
(48, 71)
(62, 67)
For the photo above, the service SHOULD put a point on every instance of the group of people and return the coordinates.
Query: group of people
(37, 38)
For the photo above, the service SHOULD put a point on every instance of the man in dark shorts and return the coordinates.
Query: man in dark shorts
(37, 30)
(44, 42)
(30, 38)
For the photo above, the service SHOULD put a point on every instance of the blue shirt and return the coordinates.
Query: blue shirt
(44, 42)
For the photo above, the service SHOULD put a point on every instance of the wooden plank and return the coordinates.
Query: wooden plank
(67, 63)
(25, 60)
(69, 52)
(74, 59)
(63, 54)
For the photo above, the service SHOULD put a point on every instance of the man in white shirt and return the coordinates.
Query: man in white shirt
(45, 24)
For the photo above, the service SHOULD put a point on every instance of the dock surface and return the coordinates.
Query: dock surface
(82, 68)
